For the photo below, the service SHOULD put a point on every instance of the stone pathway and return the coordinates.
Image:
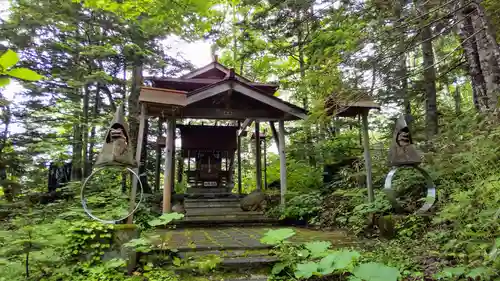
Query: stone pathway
(233, 238)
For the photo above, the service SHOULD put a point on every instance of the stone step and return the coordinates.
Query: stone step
(249, 262)
(219, 212)
(251, 278)
(207, 202)
(250, 252)
(210, 195)
(225, 221)
(235, 216)
(213, 190)
(204, 205)
(244, 258)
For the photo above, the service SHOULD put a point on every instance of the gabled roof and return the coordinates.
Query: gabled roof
(338, 105)
(252, 99)
(196, 83)
(247, 90)
(212, 69)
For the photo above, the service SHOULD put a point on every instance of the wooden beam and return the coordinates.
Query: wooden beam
(368, 160)
(282, 162)
(140, 138)
(229, 114)
(167, 179)
(258, 160)
(275, 134)
(271, 101)
(244, 126)
(208, 93)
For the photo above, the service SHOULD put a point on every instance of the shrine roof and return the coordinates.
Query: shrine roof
(207, 75)
(196, 83)
(209, 88)
(337, 105)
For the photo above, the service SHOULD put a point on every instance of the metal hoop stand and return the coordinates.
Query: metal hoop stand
(84, 201)
(391, 194)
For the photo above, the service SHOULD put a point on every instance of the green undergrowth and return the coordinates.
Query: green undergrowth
(458, 238)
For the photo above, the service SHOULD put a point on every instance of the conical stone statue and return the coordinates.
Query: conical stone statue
(403, 151)
(116, 150)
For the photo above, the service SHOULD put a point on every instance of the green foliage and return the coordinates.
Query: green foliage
(166, 219)
(317, 259)
(7, 60)
(274, 237)
(303, 206)
(89, 240)
(375, 272)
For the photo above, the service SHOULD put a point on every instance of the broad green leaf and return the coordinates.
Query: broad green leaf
(339, 260)
(318, 248)
(114, 263)
(25, 74)
(481, 272)
(166, 219)
(306, 270)
(4, 81)
(273, 237)
(376, 272)
(449, 272)
(8, 59)
(278, 268)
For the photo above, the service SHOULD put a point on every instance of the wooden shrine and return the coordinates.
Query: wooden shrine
(360, 105)
(218, 93)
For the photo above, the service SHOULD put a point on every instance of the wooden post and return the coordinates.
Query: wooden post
(172, 172)
(281, 147)
(239, 163)
(167, 179)
(265, 161)
(258, 161)
(368, 160)
(158, 155)
(138, 151)
(180, 167)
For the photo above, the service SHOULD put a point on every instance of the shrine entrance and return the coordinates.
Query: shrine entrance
(209, 159)
(208, 156)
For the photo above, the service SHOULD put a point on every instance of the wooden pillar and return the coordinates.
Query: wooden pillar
(180, 167)
(172, 170)
(158, 155)
(265, 161)
(258, 161)
(167, 179)
(281, 147)
(368, 160)
(239, 161)
(138, 151)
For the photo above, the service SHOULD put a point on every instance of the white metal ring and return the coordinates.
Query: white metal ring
(84, 201)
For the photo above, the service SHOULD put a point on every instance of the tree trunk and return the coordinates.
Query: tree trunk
(144, 159)
(305, 101)
(487, 58)
(458, 99)
(85, 130)
(465, 32)
(133, 103)
(93, 130)
(76, 169)
(403, 70)
(431, 115)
